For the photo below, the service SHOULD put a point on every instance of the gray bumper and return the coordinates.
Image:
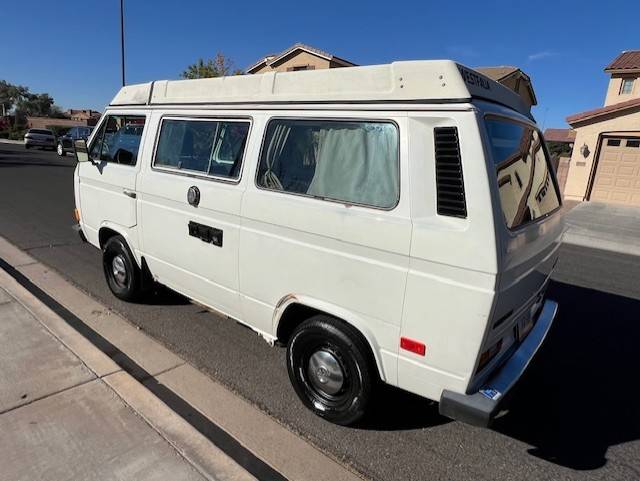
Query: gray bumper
(480, 408)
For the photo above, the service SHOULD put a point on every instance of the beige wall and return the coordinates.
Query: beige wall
(522, 90)
(300, 58)
(580, 167)
(613, 91)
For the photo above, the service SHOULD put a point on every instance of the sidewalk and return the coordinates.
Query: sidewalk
(62, 412)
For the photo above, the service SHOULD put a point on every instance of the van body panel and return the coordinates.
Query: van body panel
(405, 271)
(206, 271)
(353, 258)
(102, 187)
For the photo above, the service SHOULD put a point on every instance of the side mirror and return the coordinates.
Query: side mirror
(80, 150)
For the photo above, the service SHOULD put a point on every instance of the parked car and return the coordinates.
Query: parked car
(44, 138)
(65, 142)
(395, 223)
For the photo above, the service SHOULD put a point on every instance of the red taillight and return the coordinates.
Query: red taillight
(413, 346)
(489, 354)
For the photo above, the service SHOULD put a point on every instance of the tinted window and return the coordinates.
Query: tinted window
(212, 147)
(353, 162)
(40, 131)
(118, 140)
(525, 178)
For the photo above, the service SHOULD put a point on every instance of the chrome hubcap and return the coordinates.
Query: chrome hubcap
(119, 270)
(325, 372)
(60, 149)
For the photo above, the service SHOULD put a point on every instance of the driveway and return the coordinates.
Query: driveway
(604, 226)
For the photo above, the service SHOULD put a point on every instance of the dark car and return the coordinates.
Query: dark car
(65, 142)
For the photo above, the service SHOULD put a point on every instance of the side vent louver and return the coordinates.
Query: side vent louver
(449, 181)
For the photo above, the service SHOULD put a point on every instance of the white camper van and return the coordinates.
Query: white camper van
(394, 223)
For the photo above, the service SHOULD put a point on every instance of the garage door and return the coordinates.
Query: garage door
(618, 175)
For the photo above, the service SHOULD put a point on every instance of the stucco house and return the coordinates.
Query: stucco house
(605, 164)
(298, 57)
(515, 79)
(305, 57)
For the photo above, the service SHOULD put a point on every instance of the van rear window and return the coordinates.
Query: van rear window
(525, 177)
(346, 161)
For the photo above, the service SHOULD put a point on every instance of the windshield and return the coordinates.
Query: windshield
(525, 176)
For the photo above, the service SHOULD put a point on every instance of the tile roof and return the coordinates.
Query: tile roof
(609, 109)
(270, 59)
(627, 60)
(497, 73)
(560, 135)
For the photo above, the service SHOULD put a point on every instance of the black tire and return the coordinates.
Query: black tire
(325, 338)
(27, 147)
(126, 283)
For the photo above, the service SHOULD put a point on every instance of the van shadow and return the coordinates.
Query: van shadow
(161, 295)
(580, 394)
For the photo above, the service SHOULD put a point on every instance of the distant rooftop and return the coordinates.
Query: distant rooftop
(627, 60)
(609, 109)
(497, 73)
(560, 135)
(274, 58)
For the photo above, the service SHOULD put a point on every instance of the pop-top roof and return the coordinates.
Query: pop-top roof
(428, 81)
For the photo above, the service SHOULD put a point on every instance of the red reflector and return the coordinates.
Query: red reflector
(413, 346)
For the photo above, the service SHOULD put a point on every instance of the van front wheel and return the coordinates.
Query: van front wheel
(120, 269)
(330, 368)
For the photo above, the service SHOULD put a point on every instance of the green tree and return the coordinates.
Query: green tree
(219, 66)
(23, 103)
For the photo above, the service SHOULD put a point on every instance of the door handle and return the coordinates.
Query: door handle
(129, 193)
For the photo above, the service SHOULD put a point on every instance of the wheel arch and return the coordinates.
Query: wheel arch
(294, 309)
(108, 230)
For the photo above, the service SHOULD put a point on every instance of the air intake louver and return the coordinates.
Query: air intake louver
(449, 182)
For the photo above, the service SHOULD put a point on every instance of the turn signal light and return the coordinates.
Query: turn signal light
(489, 354)
(413, 346)
(76, 215)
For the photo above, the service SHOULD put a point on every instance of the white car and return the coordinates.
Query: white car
(44, 138)
(394, 223)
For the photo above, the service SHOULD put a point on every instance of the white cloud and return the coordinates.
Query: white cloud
(541, 55)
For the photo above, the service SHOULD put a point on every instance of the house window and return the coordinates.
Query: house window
(613, 142)
(627, 86)
(297, 68)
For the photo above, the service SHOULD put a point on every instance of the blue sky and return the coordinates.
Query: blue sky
(71, 48)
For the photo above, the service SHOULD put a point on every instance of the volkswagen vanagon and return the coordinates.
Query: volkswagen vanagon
(394, 223)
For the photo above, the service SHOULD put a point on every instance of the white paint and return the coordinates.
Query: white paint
(406, 271)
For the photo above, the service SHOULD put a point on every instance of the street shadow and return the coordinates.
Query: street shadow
(161, 295)
(580, 394)
(33, 164)
(416, 412)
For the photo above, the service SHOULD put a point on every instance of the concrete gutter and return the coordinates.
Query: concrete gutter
(8, 141)
(213, 428)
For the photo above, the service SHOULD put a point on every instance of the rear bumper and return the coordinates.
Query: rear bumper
(480, 408)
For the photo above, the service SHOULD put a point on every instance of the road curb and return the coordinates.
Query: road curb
(230, 425)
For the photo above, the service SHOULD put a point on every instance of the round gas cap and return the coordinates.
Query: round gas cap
(193, 196)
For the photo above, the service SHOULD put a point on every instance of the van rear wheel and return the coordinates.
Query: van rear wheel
(330, 368)
(120, 269)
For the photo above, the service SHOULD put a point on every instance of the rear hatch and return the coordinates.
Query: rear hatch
(530, 228)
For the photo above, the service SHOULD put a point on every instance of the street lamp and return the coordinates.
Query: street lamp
(122, 38)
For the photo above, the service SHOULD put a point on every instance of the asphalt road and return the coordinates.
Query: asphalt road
(575, 414)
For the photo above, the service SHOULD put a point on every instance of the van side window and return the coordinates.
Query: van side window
(118, 140)
(348, 161)
(211, 147)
